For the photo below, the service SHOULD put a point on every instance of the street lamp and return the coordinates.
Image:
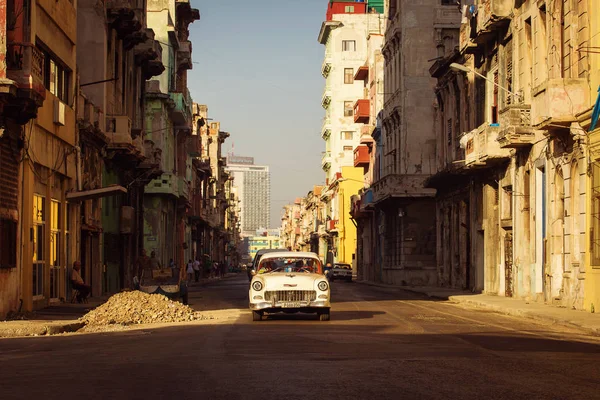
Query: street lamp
(462, 68)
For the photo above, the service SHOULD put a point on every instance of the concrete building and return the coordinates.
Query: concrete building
(346, 34)
(38, 152)
(253, 184)
(403, 248)
(167, 230)
(512, 154)
(117, 53)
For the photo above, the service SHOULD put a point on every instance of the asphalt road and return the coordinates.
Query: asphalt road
(380, 344)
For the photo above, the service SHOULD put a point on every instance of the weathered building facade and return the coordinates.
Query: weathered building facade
(511, 153)
(167, 230)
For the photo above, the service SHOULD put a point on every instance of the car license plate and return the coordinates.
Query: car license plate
(293, 304)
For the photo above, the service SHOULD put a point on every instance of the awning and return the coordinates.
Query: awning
(96, 193)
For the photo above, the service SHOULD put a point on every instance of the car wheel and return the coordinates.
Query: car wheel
(324, 316)
(256, 316)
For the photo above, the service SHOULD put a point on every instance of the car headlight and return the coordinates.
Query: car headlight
(257, 285)
(322, 286)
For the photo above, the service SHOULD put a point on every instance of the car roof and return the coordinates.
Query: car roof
(291, 254)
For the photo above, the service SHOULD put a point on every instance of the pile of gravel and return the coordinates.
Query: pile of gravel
(137, 307)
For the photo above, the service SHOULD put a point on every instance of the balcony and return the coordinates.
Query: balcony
(183, 188)
(185, 12)
(121, 142)
(466, 44)
(558, 101)
(149, 56)
(25, 67)
(326, 128)
(326, 66)
(326, 99)
(326, 160)
(152, 160)
(332, 225)
(167, 184)
(394, 186)
(184, 56)
(362, 73)
(481, 146)
(515, 127)
(492, 14)
(362, 111)
(194, 146)
(366, 132)
(125, 16)
(361, 156)
(182, 112)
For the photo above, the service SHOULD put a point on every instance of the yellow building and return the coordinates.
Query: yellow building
(349, 184)
(592, 273)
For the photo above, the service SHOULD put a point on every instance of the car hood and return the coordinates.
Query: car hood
(290, 281)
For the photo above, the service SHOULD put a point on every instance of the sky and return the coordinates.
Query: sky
(257, 66)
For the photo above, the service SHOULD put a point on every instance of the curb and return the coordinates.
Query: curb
(499, 309)
(41, 329)
(533, 315)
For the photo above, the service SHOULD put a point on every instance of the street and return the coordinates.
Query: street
(380, 344)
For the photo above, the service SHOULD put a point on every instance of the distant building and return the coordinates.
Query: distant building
(256, 243)
(254, 191)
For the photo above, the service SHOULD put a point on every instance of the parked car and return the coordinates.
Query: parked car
(341, 271)
(250, 267)
(289, 282)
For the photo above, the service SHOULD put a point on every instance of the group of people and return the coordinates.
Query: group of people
(144, 266)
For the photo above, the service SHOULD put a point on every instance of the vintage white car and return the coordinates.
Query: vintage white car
(289, 282)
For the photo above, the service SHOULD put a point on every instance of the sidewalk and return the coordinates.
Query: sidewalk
(54, 319)
(515, 307)
(64, 317)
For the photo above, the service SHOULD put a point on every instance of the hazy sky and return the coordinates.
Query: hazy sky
(257, 67)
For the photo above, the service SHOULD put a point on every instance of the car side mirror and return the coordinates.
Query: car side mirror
(252, 272)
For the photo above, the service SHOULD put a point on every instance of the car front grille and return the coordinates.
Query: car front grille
(291, 295)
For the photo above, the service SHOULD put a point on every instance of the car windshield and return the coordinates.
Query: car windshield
(290, 264)
(342, 266)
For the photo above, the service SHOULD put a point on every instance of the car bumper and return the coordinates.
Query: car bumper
(278, 306)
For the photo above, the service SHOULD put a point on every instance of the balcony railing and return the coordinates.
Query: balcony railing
(493, 13)
(182, 113)
(515, 127)
(326, 160)
(482, 148)
(25, 65)
(184, 55)
(166, 184)
(326, 98)
(326, 128)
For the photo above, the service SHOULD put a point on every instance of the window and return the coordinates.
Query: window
(347, 148)
(349, 9)
(347, 135)
(56, 77)
(348, 75)
(39, 219)
(348, 45)
(348, 109)
(493, 97)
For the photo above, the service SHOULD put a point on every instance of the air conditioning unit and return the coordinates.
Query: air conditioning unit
(59, 112)
(127, 218)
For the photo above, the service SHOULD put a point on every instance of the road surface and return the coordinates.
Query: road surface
(380, 344)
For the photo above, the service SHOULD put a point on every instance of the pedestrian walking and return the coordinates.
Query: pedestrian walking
(196, 266)
(190, 270)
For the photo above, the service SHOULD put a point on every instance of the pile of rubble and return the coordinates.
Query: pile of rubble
(137, 307)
